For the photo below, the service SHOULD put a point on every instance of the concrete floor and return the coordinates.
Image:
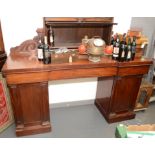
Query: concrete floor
(84, 121)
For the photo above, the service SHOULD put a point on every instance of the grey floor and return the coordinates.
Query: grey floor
(83, 121)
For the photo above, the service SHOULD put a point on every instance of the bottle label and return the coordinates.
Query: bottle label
(115, 55)
(40, 54)
(133, 49)
(123, 54)
(117, 44)
(51, 39)
(116, 50)
(45, 39)
(47, 54)
(129, 55)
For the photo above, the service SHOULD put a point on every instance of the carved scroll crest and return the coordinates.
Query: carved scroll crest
(28, 47)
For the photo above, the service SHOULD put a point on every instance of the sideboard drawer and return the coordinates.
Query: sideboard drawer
(82, 73)
(31, 77)
(133, 70)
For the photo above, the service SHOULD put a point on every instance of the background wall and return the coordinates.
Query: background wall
(20, 24)
(147, 24)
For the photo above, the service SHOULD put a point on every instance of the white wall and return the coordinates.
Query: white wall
(123, 24)
(19, 22)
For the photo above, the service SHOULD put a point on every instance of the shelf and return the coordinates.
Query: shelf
(77, 24)
(79, 21)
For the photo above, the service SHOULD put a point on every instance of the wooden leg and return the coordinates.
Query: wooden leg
(31, 108)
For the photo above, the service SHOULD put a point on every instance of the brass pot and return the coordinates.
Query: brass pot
(95, 48)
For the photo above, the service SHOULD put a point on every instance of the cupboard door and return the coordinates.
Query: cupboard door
(125, 93)
(31, 108)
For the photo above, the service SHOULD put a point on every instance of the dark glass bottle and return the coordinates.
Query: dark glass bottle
(133, 48)
(128, 54)
(122, 54)
(116, 46)
(123, 39)
(46, 52)
(112, 41)
(40, 50)
(122, 51)
(51, 36)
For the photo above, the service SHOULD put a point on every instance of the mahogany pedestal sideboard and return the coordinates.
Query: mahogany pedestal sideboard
(27, 79)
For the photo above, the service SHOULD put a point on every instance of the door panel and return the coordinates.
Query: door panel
(125, 93)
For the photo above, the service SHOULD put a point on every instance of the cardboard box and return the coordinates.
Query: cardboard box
(135, 131)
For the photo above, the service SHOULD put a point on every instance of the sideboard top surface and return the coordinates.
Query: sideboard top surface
(21, 63)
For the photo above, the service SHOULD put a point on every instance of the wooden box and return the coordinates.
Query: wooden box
(144, 95)
(135, 131)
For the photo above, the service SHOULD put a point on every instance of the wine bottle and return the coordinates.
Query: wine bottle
(116, 46)
(133, 48)
(51, 37)
(40, 50)
(128, 55)
(46, 52)
(122, 53)
(122, 48)
(112, 41)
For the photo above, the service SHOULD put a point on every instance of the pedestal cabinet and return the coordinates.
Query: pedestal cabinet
(119, 103)
(31, 107)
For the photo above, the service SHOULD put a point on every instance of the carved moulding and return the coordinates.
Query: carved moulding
(29, 47)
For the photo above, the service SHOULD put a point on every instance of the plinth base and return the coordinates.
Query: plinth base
(116, 117)
(30, 130)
